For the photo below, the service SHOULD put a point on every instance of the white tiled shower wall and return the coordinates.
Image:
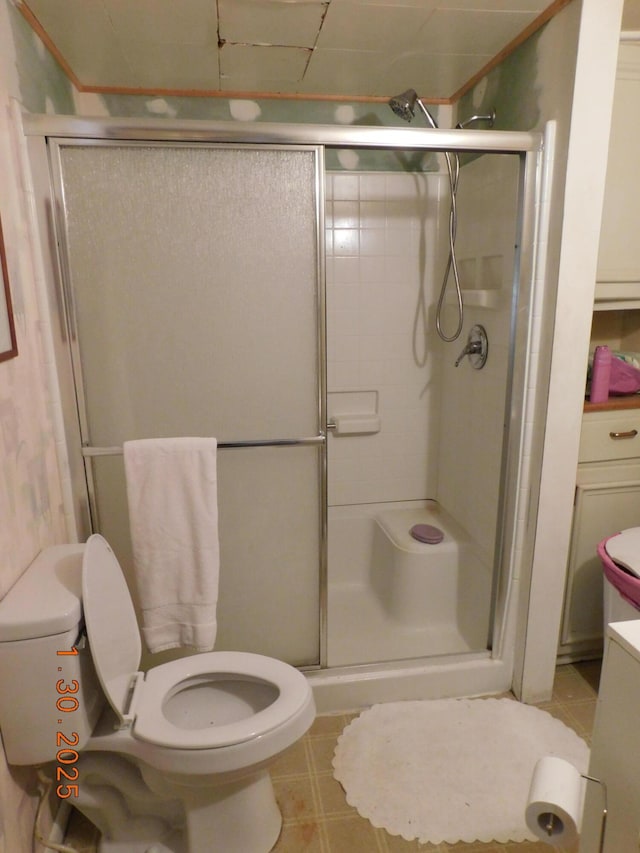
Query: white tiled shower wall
(441, 426)
(381, 234)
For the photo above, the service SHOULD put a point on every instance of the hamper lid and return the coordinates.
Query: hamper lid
(624, 549)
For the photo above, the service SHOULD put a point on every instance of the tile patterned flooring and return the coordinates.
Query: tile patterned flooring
(317, 818)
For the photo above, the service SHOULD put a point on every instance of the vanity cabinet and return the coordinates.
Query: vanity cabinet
(607, 500)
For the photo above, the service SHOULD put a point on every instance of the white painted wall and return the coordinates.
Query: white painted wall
(573, 246)
(31, 513)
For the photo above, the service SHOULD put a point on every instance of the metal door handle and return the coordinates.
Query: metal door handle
(632, 433)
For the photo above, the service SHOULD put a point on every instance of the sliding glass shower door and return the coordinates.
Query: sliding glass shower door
(193, 282)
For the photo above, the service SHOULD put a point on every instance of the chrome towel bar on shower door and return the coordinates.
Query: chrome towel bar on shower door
(273, 442)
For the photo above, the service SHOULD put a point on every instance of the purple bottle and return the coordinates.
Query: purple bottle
(600, 375)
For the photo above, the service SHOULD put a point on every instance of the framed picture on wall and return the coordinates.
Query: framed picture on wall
(8, 345)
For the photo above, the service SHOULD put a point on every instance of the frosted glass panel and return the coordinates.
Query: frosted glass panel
(269, 547)
(195, 277)
(269, 518)
(194, 273)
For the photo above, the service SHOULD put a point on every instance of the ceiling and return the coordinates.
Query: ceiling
(308, 48)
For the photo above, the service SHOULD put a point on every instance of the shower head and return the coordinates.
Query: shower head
(404, 105)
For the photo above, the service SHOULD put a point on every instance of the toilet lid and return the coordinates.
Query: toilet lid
(112, 627)
(624, 549)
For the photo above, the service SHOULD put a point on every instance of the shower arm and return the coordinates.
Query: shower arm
(488, 117)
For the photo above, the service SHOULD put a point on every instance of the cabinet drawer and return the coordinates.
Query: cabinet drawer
(609, 435)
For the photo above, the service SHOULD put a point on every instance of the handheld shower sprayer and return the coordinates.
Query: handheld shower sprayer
(404, 105)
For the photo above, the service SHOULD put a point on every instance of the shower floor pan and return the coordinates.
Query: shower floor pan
(393, 598)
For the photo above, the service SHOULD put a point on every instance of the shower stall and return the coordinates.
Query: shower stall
(233, 280)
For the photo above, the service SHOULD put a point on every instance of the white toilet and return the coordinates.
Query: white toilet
(175, 760)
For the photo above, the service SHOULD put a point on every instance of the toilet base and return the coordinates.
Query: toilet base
(169, 845)
(140, 810)
(241, 817)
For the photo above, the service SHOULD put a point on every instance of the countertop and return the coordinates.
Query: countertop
(614, 404)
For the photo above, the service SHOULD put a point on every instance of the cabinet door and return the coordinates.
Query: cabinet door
(601, 510)
(615, 752)
(619, 257)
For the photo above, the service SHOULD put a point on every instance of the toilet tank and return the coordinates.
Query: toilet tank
(50, 698)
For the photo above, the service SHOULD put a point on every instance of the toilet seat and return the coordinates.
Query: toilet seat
(153, 726)
(139, 699)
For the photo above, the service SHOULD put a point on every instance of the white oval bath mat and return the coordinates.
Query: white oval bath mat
(450, 769)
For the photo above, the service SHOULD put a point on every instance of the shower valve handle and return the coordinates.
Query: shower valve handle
(477, 348)
(471, 348)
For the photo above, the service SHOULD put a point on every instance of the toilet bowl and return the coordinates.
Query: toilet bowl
(198, 733)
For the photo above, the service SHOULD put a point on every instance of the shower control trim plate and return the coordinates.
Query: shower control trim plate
(477, 348)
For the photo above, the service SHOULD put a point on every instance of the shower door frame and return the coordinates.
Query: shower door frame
(41, 129)
(89, 451)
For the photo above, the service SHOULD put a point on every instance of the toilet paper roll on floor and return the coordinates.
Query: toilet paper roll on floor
(556, 800)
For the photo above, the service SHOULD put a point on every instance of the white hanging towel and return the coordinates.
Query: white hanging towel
(173, 512)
